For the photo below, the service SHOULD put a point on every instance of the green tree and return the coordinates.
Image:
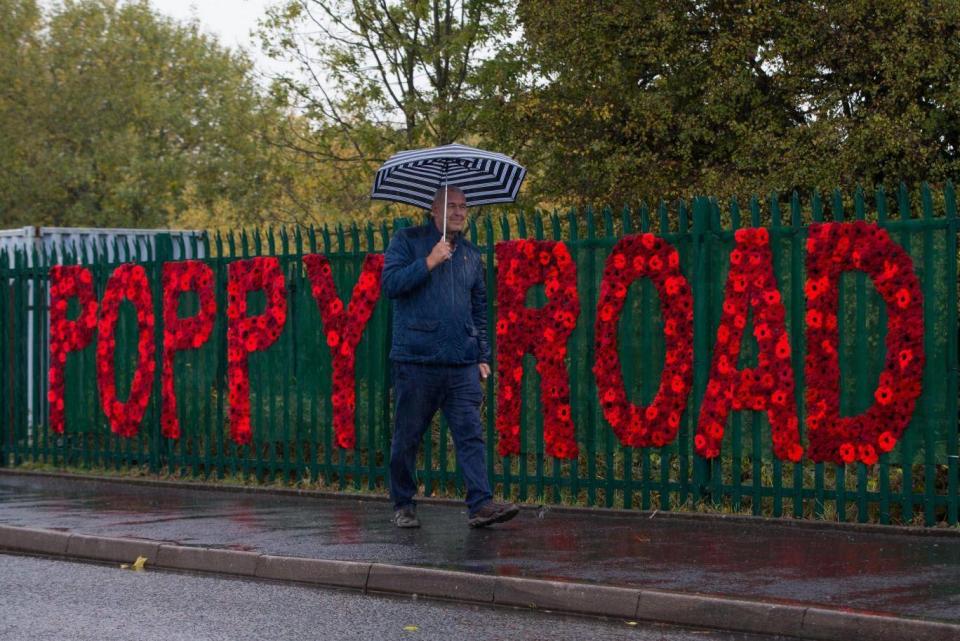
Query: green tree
(378, 76)
(112, 115)
(618, 102)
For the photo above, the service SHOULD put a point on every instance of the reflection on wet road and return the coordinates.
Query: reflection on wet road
(900, 574)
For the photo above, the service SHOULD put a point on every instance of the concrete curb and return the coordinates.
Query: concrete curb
(695, 517)
(182, 557)
(340, 574)
(101, 548)
(560, 596)
(444, 584)
(741, 615)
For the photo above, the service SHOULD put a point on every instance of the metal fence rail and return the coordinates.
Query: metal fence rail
(291, 403)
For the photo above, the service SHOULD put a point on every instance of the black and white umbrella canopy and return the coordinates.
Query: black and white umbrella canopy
(414, 176)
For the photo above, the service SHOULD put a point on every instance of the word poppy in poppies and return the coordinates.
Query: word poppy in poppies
(751, 285)
(343, 327)
(127, 282)
(182, 333)
(66, 282)
(834, 248)
(246, 334)
(634, 257)
(543, 332)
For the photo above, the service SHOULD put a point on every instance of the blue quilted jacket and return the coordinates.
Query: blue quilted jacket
(439, 316)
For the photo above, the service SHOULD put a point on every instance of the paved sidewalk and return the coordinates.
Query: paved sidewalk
(882, 571)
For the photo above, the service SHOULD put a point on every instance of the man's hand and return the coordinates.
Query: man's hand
(484, 371)
(441, 252)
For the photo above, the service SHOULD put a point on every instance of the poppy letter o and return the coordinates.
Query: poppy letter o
(633, 257)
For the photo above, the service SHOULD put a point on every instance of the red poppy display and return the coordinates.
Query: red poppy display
(343, 327)
(127, 282)
(182, 333)
(645, 256)
(751, 285)
(247, 334)
(543, 332)
(751, 291)
(833, 248)
(66, 282)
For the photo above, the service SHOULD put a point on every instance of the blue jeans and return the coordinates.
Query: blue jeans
(420, 390)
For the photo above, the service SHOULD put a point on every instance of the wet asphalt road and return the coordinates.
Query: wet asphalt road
(881, 572)
(64, 601)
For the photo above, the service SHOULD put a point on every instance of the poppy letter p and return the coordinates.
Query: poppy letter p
(182, 333)
(67, 336)
(247, 334)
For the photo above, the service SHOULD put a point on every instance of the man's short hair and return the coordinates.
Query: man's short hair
(438, 196)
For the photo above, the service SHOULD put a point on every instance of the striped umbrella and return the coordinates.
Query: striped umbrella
(413, 177)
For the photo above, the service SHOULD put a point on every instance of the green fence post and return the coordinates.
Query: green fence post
(18, 402)
(884, 466)
(816, 213)
(685, 439)
(5, 432)
(645, 376)
(537, 444)
(795, 313)
(736, 423)
(840, 481)
(290, 270)
(326, 374)
(953, 360)
(716, 265)
(666, 462)
(490, 277)
(777, 256)
(628, 376)
(701, 340)
(164, 252)
(505, 460)
(573, 228)
(930, 325)
(386, 405)
(863, 365)
(908, 441)
(587, 391)
(610, 449)
(36, 352)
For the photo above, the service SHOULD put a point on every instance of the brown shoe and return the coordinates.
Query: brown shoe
(493, 512)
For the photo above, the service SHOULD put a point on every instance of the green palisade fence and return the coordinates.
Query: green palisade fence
(291, 401)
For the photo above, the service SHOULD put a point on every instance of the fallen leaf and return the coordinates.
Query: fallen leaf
(139, 563)
(410, 628)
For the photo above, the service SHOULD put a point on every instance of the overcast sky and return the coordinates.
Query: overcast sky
(230, 20)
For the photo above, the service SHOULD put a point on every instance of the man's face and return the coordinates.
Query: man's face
(456, 212)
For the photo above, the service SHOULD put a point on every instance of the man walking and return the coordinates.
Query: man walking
(440, 354)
